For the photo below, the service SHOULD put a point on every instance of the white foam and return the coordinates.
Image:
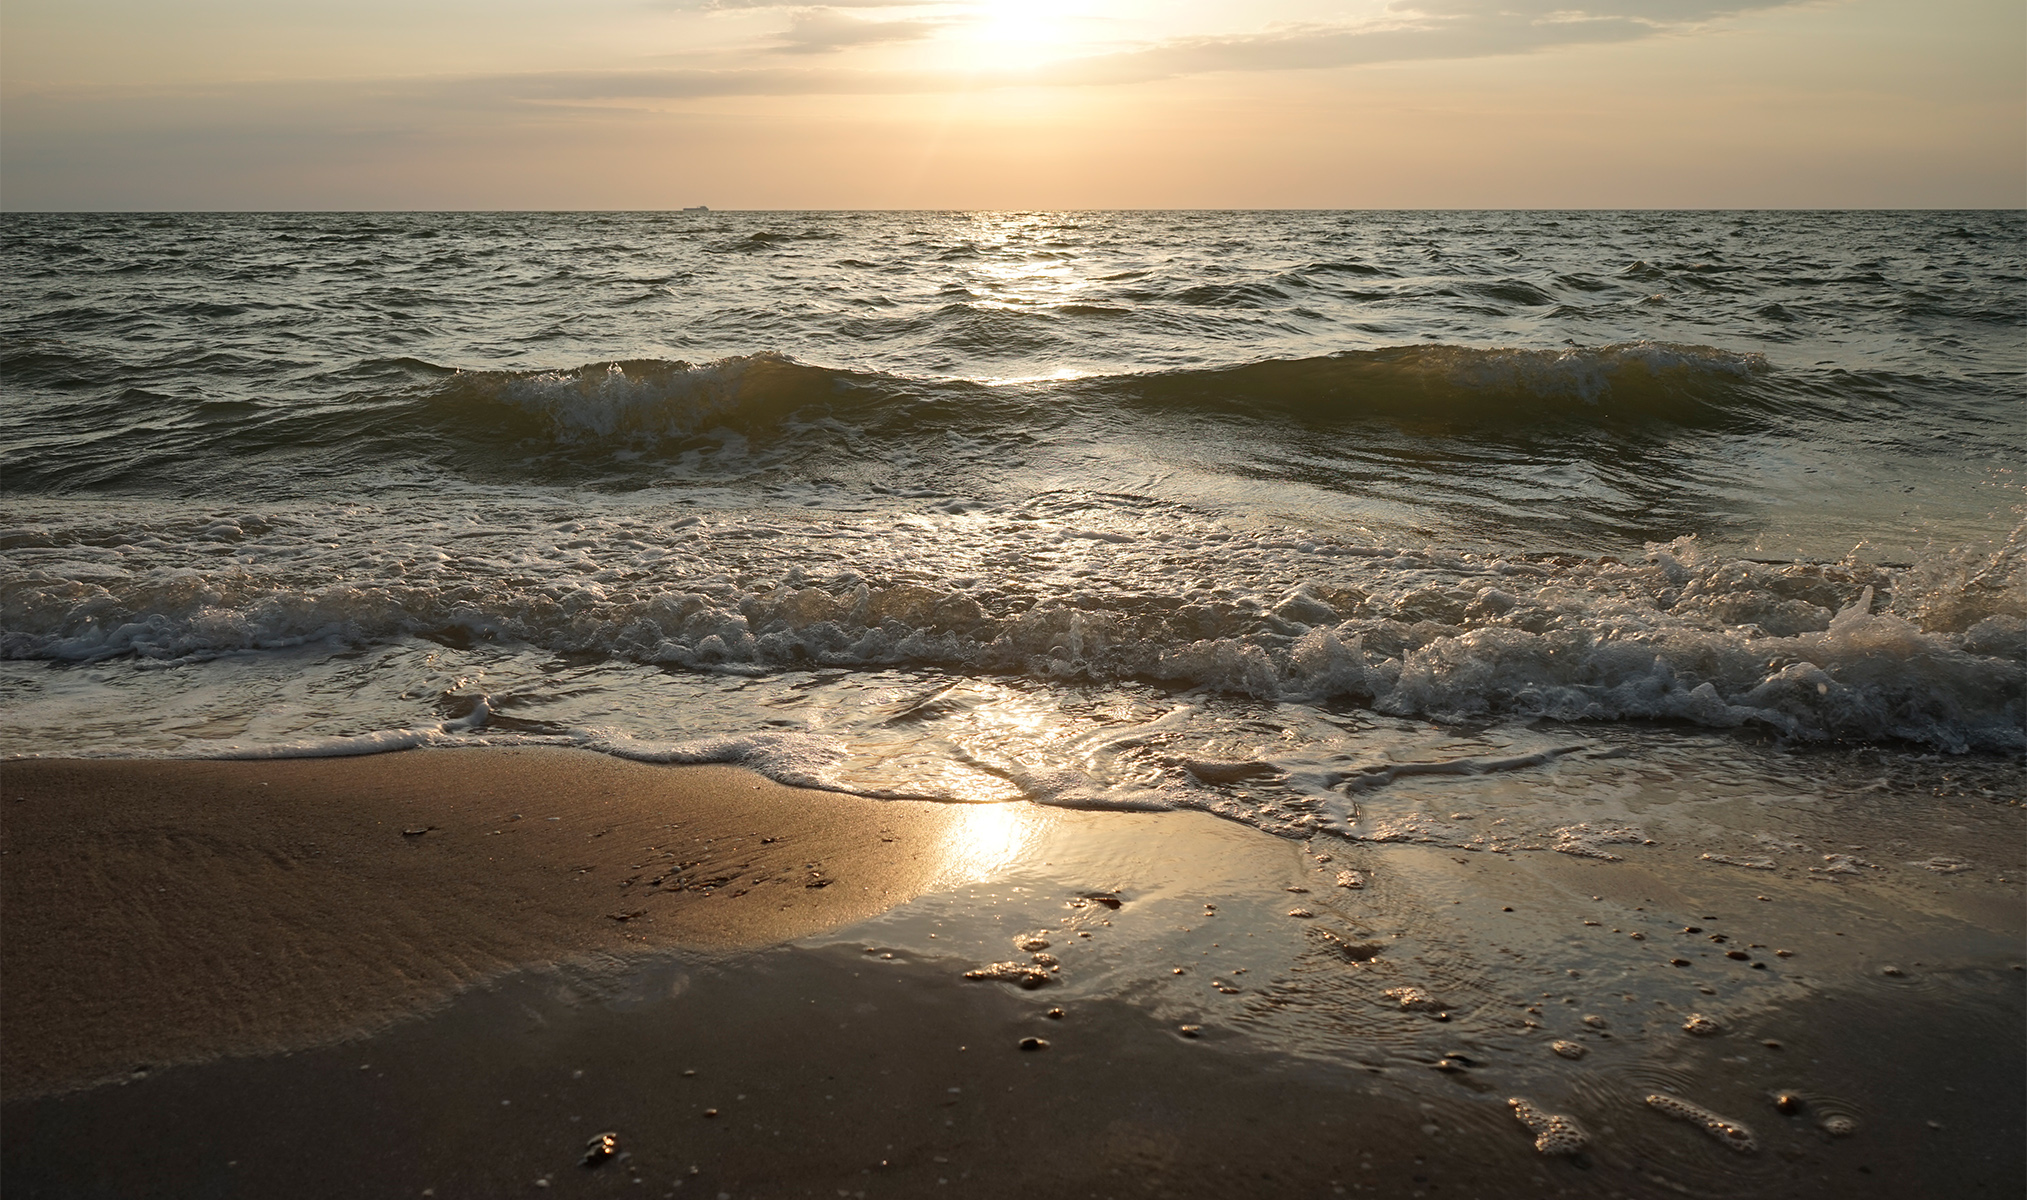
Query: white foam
(1935, 654)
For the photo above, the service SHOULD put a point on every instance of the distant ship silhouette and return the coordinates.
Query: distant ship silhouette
(696, 208)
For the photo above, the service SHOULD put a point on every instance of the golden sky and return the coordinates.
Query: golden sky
(481, 104)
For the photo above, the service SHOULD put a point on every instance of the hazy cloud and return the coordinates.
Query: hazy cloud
(820, 30)
(735, 5)
(1431, 29)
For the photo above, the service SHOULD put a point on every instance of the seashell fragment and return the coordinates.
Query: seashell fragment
(1725, 1130)
(1554, 1133)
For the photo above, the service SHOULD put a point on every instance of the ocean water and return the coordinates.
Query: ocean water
(1314, 520)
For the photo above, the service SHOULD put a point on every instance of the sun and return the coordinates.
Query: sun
(1026, 29)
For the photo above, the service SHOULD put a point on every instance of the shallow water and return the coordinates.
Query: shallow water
(1228, 511)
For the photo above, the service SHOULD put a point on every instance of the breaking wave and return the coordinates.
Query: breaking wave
(648, 400)
(1935, 653)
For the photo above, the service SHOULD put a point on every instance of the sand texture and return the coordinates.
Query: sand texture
(289, 990)
(162, 912)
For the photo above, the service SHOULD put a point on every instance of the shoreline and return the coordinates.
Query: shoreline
(459, 1009)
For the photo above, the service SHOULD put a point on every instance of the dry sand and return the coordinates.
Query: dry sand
(159, 912)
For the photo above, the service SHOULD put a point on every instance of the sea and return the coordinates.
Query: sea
(1288, 517)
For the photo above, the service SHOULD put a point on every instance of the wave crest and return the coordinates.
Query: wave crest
(1934, 654)
(649, 398)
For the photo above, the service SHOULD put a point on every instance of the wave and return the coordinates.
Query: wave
(674, 399)
(1935, 653)
(410, 411)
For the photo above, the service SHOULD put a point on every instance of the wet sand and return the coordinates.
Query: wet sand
(161, 912)
(1232, 1022)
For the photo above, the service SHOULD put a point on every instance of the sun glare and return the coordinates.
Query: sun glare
(1021, 32)
(986, 839)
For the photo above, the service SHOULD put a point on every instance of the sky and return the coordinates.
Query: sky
(1011, 104)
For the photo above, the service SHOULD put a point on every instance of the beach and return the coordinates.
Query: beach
(442, 972)
(1138, 703)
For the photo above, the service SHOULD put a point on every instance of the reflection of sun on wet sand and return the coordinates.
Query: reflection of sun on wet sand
(463, 970)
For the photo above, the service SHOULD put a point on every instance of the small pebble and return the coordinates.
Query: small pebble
(710, 1112)
(1034, 1043)
(1740, 955)
(1054, 1014)
(1701, 1025)
(1569, 1049)
(1190, 1031)
(1678, 962)
(1895, 972)
(1788, 1103)
(1300, 912)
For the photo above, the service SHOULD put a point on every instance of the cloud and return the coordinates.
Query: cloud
(1413, 30)
(821, 30)
(1422, 30)
(734, 5)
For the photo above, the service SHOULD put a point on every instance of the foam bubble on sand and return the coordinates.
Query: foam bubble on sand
(1555, 1133)
(1589, 841)
(1755, 864)
(1725, 1130)
(1413, 999)
(1027, 975)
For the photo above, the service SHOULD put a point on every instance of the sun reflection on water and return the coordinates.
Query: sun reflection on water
(987, 839)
